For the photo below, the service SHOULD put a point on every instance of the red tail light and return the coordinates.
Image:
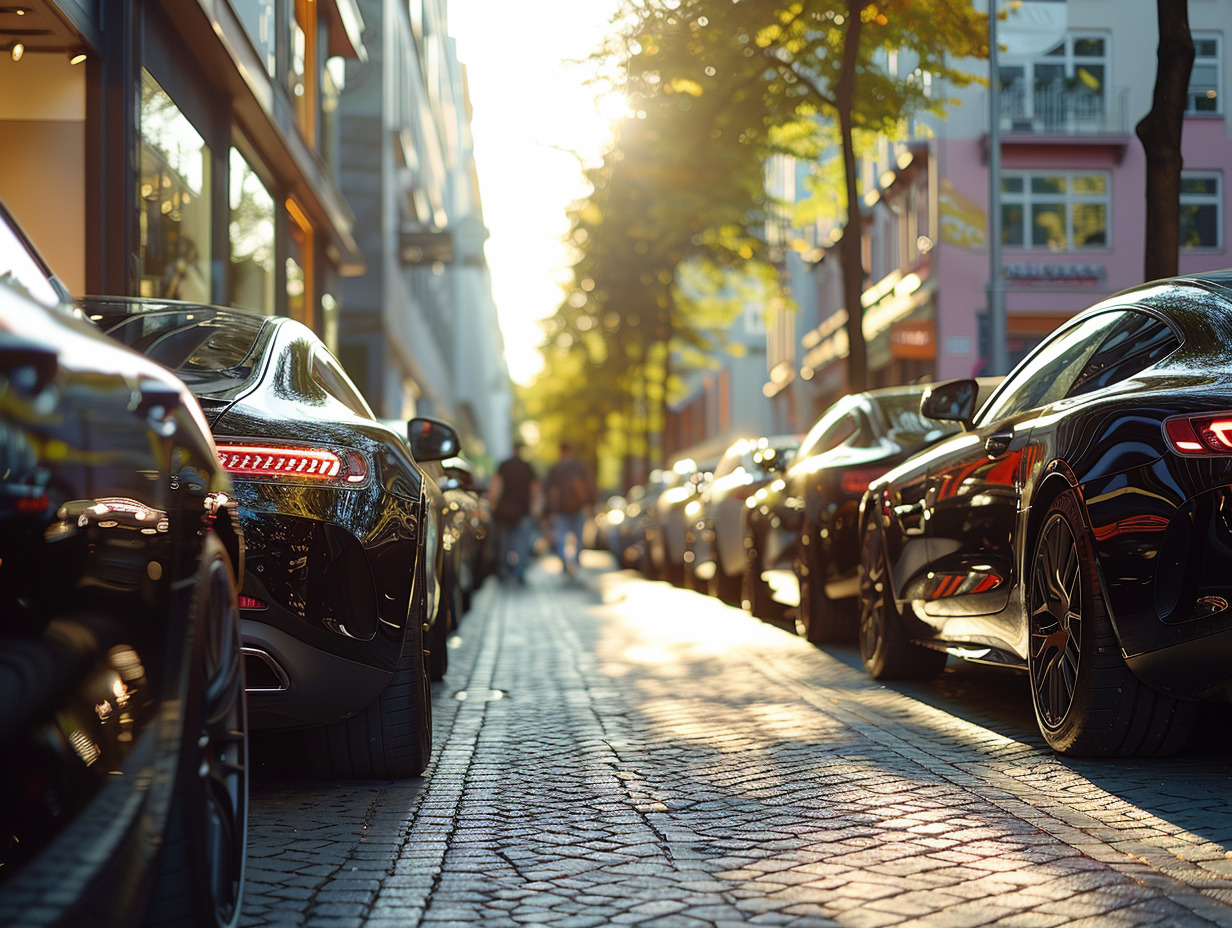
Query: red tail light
(251, 602)
(856, 480)
(297, 464)
(1200, 435)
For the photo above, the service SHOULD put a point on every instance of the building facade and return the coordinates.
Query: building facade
(212, 150)
(1073, 79)
(182, 149)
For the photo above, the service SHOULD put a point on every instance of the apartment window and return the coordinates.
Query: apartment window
(1065, 84)
(1056, 211)
(1201, 205)
(1204, 79)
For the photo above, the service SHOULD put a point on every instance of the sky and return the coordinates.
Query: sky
(534, 121)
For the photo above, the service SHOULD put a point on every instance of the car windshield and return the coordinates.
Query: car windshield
(906, 426)
(217, 355)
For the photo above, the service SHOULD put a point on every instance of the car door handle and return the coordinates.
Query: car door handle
(998, 443)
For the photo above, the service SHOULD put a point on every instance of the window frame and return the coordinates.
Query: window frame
(1199, 200)
(1026, 199)
(1215, 61)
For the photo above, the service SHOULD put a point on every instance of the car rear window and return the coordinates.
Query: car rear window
(216, 355)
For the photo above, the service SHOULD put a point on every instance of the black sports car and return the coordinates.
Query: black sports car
(123, 743)
(338, 593)
(805, 522)
(1078, 527)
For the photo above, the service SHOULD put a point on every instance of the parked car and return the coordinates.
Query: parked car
(463, 530)
(340, 591)
(1077, 527)
(805, 523)
(123, 750)
(469, 507)
(626, 524)
(719, 526)
(671, 521)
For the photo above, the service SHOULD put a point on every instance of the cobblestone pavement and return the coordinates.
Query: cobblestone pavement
(626, 753)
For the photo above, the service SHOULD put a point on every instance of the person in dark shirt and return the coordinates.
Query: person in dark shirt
(569, 493)
(514, 495)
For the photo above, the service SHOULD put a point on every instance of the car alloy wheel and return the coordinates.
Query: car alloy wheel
(887, 652)
(1086, 700)
(1056, 622)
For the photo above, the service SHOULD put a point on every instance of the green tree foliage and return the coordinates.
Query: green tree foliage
(715, 87)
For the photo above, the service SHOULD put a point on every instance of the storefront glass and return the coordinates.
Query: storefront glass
(173, 201)
(251, 283)
(257, 17)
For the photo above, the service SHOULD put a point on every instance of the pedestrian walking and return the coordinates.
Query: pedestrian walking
(514, 494)
(569, 493)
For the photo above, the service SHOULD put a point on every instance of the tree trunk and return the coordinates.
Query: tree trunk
(850, 250)
(1160, 133)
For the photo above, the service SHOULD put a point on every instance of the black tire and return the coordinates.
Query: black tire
(1086, 700)
(755, 592)
(724, 588)
(201, 872)
(887, 652)
(674, 574)
(390, 739)
(822, 619)
(438, 632)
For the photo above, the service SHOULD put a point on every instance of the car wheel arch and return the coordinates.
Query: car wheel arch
(1060, 479)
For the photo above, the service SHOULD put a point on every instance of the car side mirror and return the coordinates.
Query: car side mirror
(432, 439)
(771, 459)
(952, 401)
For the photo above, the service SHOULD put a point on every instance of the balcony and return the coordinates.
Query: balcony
(1056, 111)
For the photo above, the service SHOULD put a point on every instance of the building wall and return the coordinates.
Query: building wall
(421, 323)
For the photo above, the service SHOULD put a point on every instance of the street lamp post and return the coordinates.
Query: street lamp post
(997, 335)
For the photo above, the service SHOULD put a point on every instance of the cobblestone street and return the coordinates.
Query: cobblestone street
(620, 752)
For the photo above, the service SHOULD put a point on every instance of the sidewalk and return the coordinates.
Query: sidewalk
(621, 752)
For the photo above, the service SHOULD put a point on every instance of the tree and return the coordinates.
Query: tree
(1160, 134)
(820, 73)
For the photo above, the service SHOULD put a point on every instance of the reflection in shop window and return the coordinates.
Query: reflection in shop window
(174, 201)
(252, 240)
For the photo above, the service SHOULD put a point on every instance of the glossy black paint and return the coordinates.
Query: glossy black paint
(959, 521)
(806, 521)
(120, 668)
(339, 572)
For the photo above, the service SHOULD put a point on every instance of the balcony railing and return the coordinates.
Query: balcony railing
(1063, 111)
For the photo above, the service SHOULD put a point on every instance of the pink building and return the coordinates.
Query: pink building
(1074, 79)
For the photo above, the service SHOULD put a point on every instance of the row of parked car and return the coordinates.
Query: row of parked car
(1072, 520)
(204, 530)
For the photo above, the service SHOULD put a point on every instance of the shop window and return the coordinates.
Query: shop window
(174, 201)
(1204, 78)
(1201, 210)
(1059, 212)
(258, 19)
(304, 65)
(299, 266)
(251, 283)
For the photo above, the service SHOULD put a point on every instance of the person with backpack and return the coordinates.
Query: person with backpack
(514, 494)
(568, 493)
